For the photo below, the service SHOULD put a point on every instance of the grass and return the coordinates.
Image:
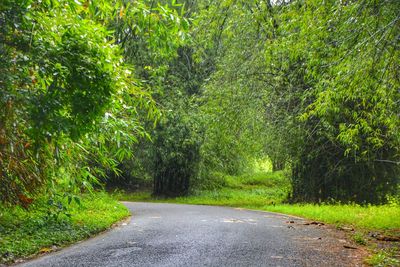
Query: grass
(384, 217)
(27, 232)
(384, 258)
(238, 191)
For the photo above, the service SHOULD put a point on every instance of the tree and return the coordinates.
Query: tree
(333, 67)
(59, 75)
(324, 81)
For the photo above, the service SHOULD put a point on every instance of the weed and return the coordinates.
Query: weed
(359, 238)
(383, 258)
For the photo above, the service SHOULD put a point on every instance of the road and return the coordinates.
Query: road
(188, 235)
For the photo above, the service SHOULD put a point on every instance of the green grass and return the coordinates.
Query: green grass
(384, 257)
(248, 190)
(27, 232)
(384, 217)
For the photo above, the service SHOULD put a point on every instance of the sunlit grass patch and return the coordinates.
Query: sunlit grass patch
(382, 217)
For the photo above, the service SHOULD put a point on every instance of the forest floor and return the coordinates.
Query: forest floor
(375, 227)
(46, 227)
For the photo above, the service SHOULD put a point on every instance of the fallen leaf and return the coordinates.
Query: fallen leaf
(45, 250)
(346, 228)
(277, 257)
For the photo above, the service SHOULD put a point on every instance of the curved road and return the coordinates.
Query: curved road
(187, 235)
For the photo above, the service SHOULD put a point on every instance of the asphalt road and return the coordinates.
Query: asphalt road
(187, 235)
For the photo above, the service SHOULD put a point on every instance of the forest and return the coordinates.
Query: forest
(181, 97)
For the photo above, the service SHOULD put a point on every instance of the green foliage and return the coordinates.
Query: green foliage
(312, 87)
(152, 36)
(315, 87)
(95, 90)
(232, 97)
(78, 77)
(69, 103)
(344, 92)
(64, 71)
(176, 156)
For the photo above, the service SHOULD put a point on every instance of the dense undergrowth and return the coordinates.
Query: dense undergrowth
(44, 227)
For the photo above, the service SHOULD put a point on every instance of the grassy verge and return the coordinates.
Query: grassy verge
(28, 232)
(385, 217)
(267, 191)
